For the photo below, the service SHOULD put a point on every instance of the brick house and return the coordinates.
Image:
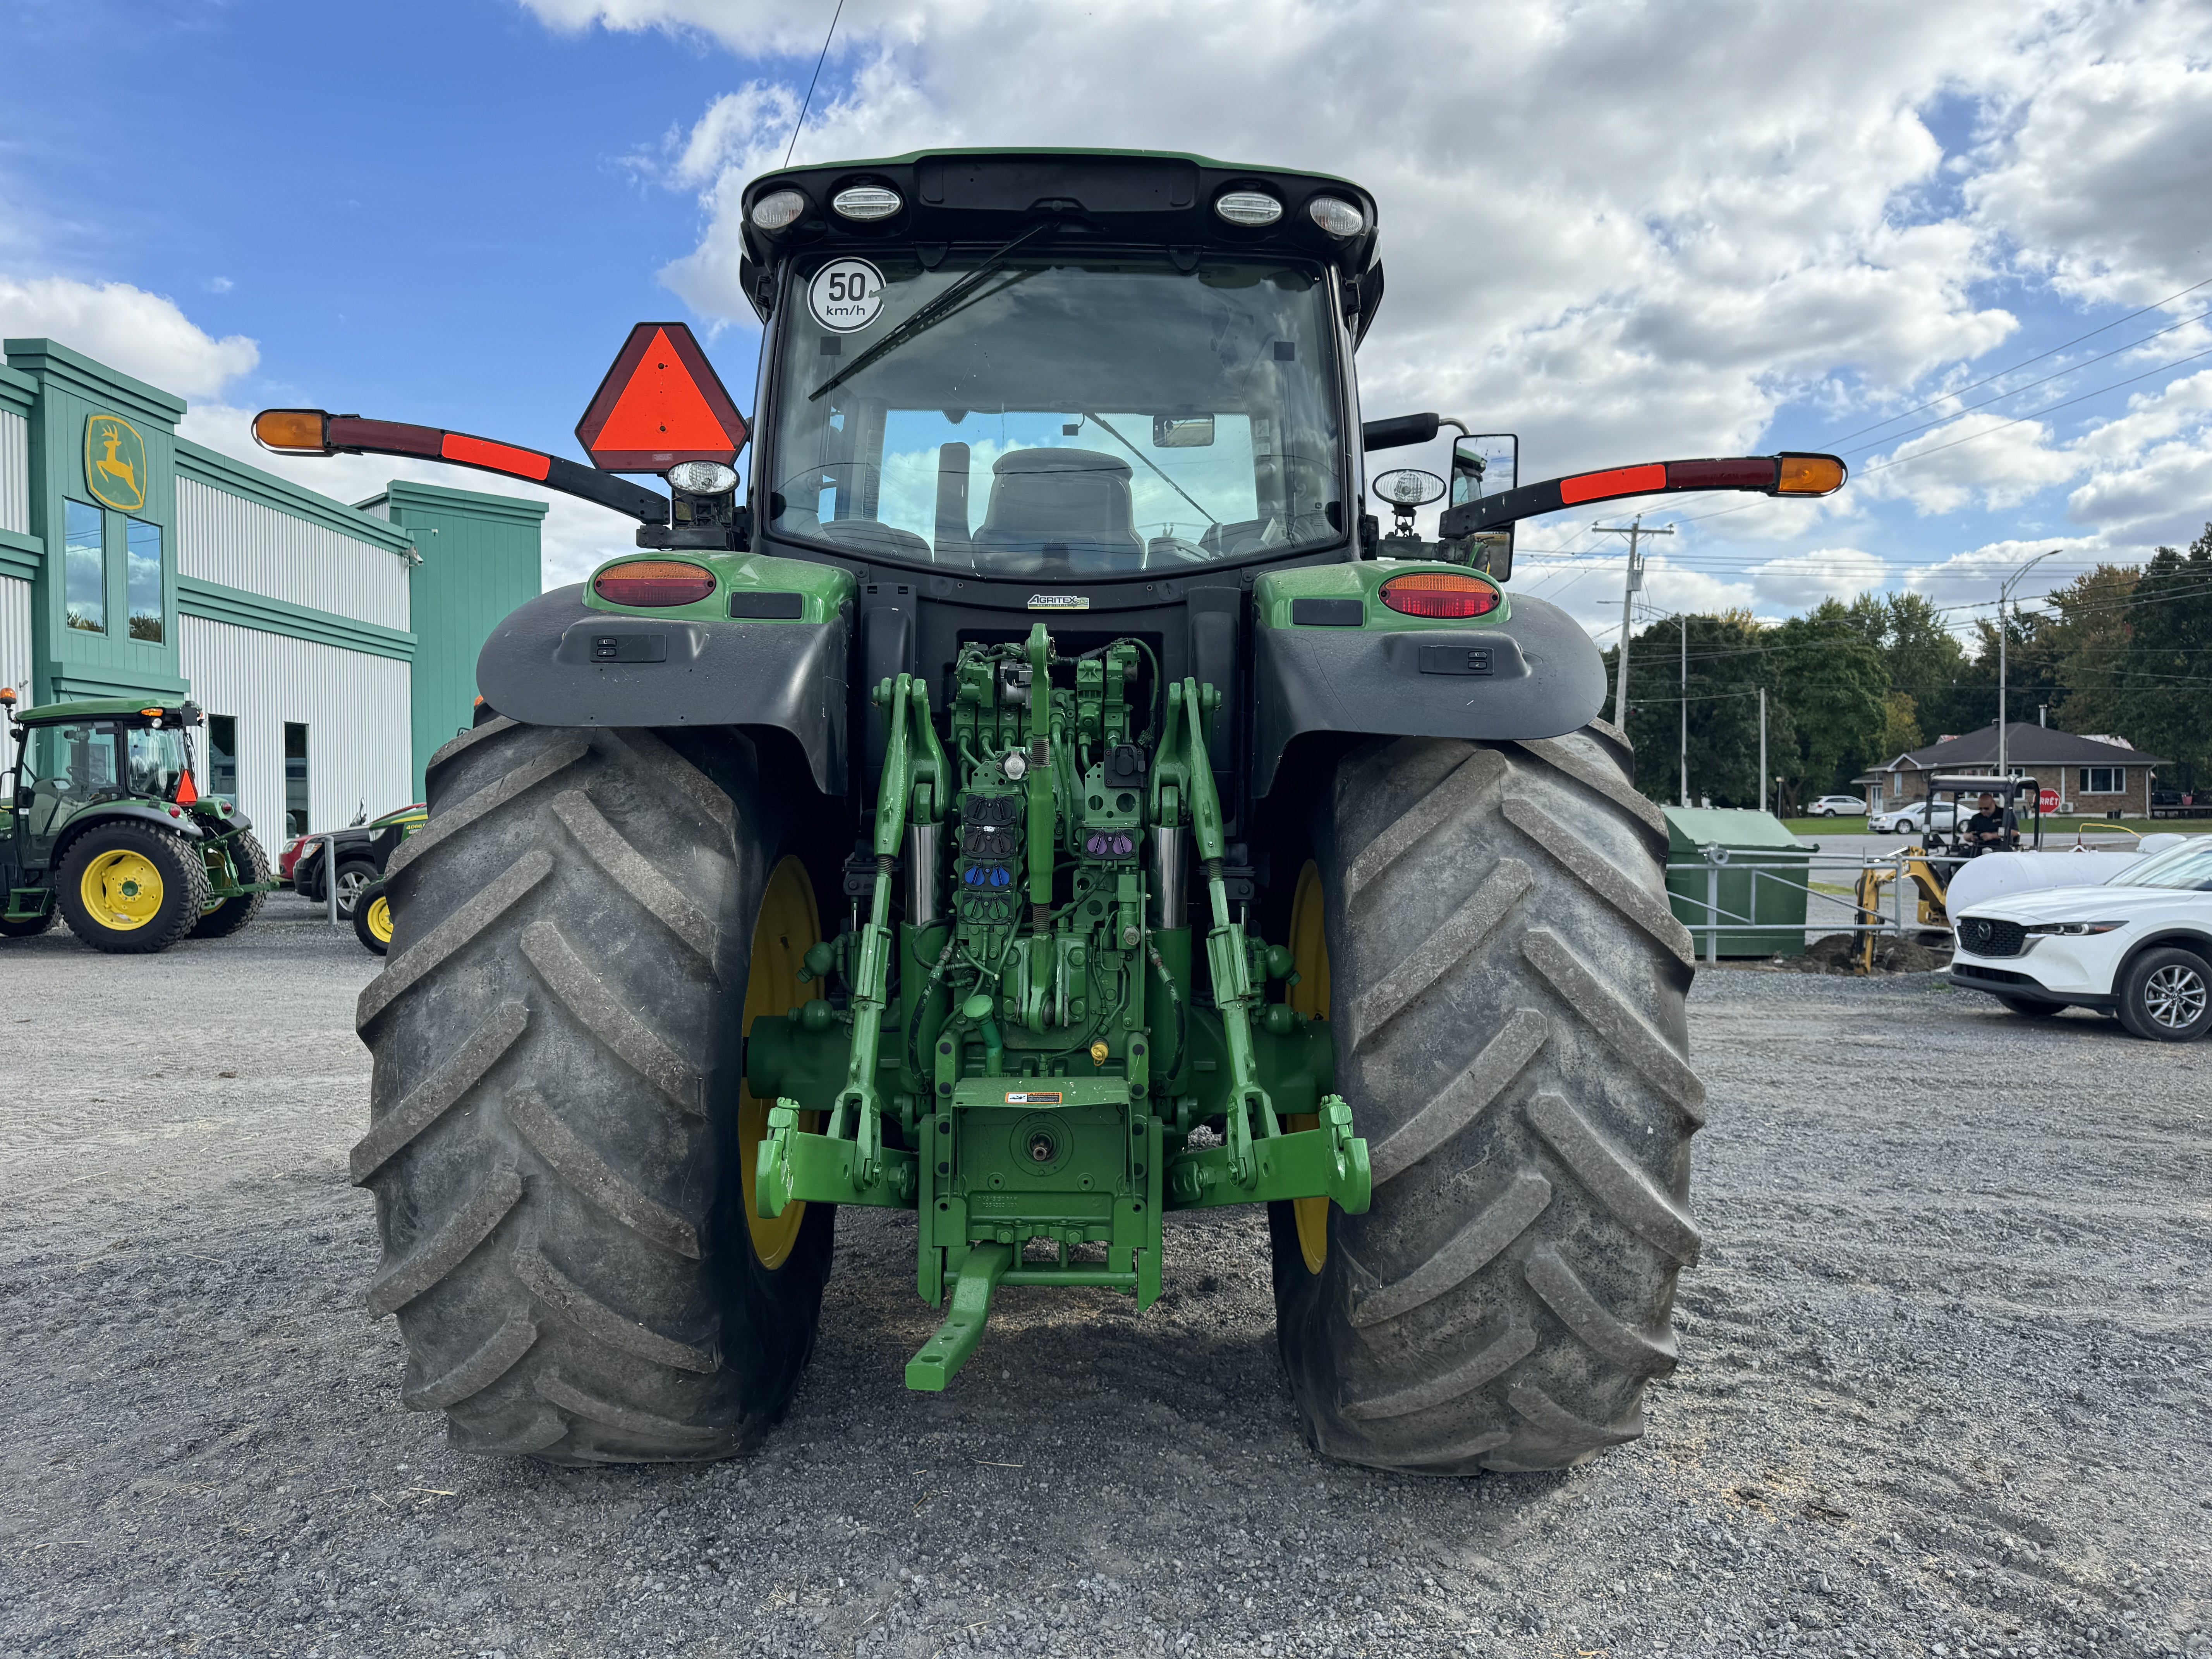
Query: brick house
(2092, 774)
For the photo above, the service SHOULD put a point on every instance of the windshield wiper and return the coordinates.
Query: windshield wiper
(935, 311)
(1154, 465)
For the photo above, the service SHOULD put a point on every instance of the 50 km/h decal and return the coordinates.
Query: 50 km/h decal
(846, 295)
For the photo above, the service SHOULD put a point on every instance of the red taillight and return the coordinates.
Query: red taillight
(651, 582)
(1439, 593)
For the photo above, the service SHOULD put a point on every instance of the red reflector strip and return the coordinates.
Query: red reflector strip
(1620, 481)
(500, 458)
(1741, 472)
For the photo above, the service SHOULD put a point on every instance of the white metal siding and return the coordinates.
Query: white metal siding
(15, 473)
(16, 638)
(222, 537)
(355, 706)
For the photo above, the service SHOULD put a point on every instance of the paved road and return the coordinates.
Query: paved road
(1942, 1390)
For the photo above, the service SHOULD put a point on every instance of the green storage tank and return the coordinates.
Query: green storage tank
(1724, 888)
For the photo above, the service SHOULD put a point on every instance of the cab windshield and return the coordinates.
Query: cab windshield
(1059, 417)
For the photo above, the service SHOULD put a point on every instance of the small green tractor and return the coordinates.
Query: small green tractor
(1047, 800)
(101, 824)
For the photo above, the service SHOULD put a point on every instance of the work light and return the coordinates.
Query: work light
(777, 208)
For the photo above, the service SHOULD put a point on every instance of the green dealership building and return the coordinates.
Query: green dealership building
(332, 647)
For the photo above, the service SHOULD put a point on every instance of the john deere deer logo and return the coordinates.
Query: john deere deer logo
(115, 463)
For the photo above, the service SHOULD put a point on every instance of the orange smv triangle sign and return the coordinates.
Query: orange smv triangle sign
(660, 404)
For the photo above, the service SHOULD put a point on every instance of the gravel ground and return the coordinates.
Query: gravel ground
(1943, 1387)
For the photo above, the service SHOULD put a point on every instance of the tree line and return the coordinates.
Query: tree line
(2122, 649)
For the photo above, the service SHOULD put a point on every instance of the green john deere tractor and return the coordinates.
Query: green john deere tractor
(102, 823)
(1046, 802)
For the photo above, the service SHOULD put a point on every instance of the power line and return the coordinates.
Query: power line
(2059, 375)
(2016, 368)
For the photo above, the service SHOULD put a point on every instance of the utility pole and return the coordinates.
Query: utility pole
(2005, 593)
(1762, 749)
(1682, 633)
(1635, 531)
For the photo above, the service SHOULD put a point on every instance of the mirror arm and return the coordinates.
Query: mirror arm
(1762, 473)
(349, 434)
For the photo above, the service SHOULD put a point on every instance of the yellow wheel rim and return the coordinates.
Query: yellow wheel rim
(122, 889)
(379, 919)
(1310, 996)
(789, 926)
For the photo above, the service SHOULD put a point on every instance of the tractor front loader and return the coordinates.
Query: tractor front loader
(101, 824)
(1046, 801)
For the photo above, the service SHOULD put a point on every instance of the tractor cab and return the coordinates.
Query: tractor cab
(81, 775)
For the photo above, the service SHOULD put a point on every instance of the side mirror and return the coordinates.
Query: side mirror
(1487, 465)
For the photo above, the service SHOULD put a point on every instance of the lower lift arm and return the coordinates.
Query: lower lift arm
(1258, 1160)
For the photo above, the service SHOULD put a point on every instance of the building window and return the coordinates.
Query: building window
(222, 756)
(295, 779)
(2104, 781)
(142, 544)
(84, 566)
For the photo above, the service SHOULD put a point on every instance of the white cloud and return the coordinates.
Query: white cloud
(142, 334)
(1979, 458)
(1615, 273)
(2096, 174)
(1625, 232)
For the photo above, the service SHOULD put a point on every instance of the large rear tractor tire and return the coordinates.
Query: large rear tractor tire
(1507, 984)
(560, 1127)
(131, 889)
(252, 866)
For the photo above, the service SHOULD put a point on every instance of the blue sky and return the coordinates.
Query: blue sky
(1658, 231)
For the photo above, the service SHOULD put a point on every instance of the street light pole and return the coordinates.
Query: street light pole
(2005, 593)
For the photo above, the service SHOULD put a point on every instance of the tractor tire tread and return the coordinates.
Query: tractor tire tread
(1520, 1072)
(554, 1126)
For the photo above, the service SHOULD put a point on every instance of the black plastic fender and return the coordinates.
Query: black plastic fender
(1536, 675)
(181, 822)
(547, 664)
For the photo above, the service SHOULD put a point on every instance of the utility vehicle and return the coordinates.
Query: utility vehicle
(1045, 801)
(101, 824)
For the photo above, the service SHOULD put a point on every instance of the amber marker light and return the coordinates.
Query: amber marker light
(653, 582)
(293, 431)
(1439, 593)
(1810, 475)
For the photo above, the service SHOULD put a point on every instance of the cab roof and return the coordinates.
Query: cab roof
(94, 708)
(1164, 199)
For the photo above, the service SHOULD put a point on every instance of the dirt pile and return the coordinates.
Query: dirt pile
(1841, 953)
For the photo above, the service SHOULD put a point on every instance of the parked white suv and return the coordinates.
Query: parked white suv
(1829, 806)
(1913, 820)
(2139, 945)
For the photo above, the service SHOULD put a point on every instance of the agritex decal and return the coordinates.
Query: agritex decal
(1060, 602)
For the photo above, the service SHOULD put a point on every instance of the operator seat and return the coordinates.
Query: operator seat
(1060, 506)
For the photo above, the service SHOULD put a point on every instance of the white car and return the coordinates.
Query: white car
(1913, 820)
(2139, 945)
(1829, 806)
